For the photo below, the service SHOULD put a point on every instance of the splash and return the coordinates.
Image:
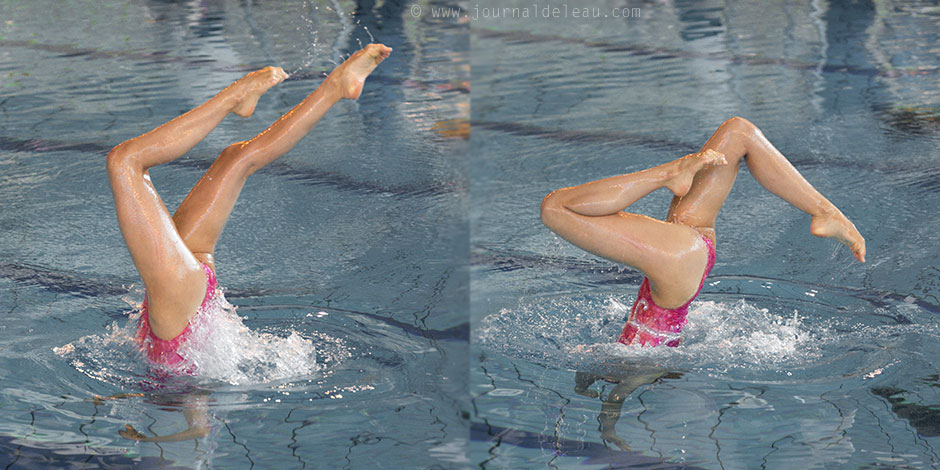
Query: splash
(552, 329)
(308, 17)
(573, 331)
(113, 356)
(740, 334)
(220, 348)
(347, 21)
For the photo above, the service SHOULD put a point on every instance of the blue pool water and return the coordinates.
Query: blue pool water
(345, 258)
(796, 356)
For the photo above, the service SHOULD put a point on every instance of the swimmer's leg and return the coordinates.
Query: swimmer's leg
(196, 412)
(673, 256)
(613, 405)
(737, 138)
(203, 214)
(175, 282)
(98, 399)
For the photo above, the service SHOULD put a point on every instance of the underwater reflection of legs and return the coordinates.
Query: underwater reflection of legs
(195, 407)
(624, 384)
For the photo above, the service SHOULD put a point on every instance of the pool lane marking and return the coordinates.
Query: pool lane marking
(929, 179)
(65, 51)
(524, 37)
(79, 286)
(305, 176)
(500, 260)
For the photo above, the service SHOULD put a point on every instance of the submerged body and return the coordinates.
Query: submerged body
(652, 325)
(670, 252)
(167, 353)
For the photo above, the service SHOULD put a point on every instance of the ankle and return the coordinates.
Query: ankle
(228, 99)
(667, 172)
(331, 87)
(828, 213)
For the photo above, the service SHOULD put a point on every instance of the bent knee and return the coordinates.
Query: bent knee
(553, 209)
(236, 156)
(740, 125)
(121, 159)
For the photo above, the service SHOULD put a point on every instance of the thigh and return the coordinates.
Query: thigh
(174, 279)
(711, 186)
(672, 256)
(202, 215)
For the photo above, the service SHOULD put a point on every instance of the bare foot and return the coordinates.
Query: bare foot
(836, 225)
(351, 74)
(249, 88)
(683, 170)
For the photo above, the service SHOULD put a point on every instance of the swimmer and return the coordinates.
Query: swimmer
(174, 254)
(677, 254)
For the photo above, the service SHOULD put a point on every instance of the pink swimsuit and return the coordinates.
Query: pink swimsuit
(651, 325)
(163, 352)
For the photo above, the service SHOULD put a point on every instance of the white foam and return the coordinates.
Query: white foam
(573, 331)
(741, 334)
(220, 348)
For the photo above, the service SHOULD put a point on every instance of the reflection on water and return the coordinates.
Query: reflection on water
(924, 418)
(623, 384)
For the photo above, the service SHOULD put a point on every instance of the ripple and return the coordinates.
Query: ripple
(789, 333)
(288, 353)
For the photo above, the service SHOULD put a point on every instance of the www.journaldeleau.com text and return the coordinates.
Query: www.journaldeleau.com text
(535, 10)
